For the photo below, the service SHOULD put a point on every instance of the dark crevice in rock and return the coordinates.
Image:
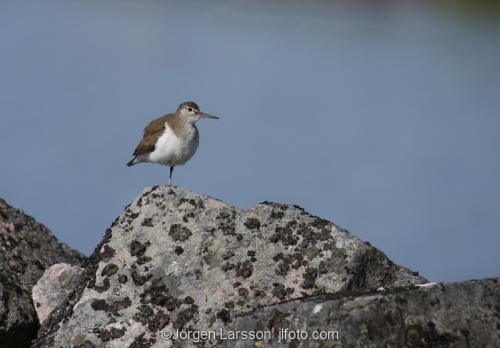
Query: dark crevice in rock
(19, 336)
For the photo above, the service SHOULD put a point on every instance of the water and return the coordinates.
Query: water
(382, 117)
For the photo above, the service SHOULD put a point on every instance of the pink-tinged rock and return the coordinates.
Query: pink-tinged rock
(53, 287)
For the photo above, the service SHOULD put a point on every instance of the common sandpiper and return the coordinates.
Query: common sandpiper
(172, 139)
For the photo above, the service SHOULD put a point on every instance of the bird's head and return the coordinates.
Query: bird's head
(191, 111)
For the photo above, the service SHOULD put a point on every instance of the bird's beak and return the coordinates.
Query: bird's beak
(204, 115)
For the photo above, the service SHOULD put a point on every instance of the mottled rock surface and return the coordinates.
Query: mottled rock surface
(27, 248)
(442, 315)
(53, 287)
(178, 260)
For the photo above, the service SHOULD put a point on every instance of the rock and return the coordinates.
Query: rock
(53, 287)
(178, 260)
(27, 248)
(441, 315)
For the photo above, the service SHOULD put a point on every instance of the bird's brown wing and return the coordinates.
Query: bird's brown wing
(151, 134)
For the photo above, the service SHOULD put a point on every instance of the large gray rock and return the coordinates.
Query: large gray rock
(27, 248)
(56, 283)
(178, 260)
(441, 315)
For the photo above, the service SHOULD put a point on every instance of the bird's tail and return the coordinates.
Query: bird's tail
(132, 162)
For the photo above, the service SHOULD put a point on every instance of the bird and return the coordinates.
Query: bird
(171, 140)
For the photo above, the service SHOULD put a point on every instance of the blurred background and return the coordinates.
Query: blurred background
(381, 116)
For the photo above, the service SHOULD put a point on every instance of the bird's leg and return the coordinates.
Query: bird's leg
(170, 177)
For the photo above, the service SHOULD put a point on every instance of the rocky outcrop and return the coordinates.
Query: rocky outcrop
(27, 248)
(439, 315)
(56, 283)
(178, 260)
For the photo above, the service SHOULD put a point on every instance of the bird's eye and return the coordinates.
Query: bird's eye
(190, 109)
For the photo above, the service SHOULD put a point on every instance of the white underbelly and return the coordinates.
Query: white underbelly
(171, 150)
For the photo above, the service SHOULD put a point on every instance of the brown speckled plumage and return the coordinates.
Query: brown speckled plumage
(156, 128)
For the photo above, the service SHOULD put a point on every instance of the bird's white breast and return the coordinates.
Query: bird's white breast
(172, 150)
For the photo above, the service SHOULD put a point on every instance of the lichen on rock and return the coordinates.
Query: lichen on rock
(176, 260)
